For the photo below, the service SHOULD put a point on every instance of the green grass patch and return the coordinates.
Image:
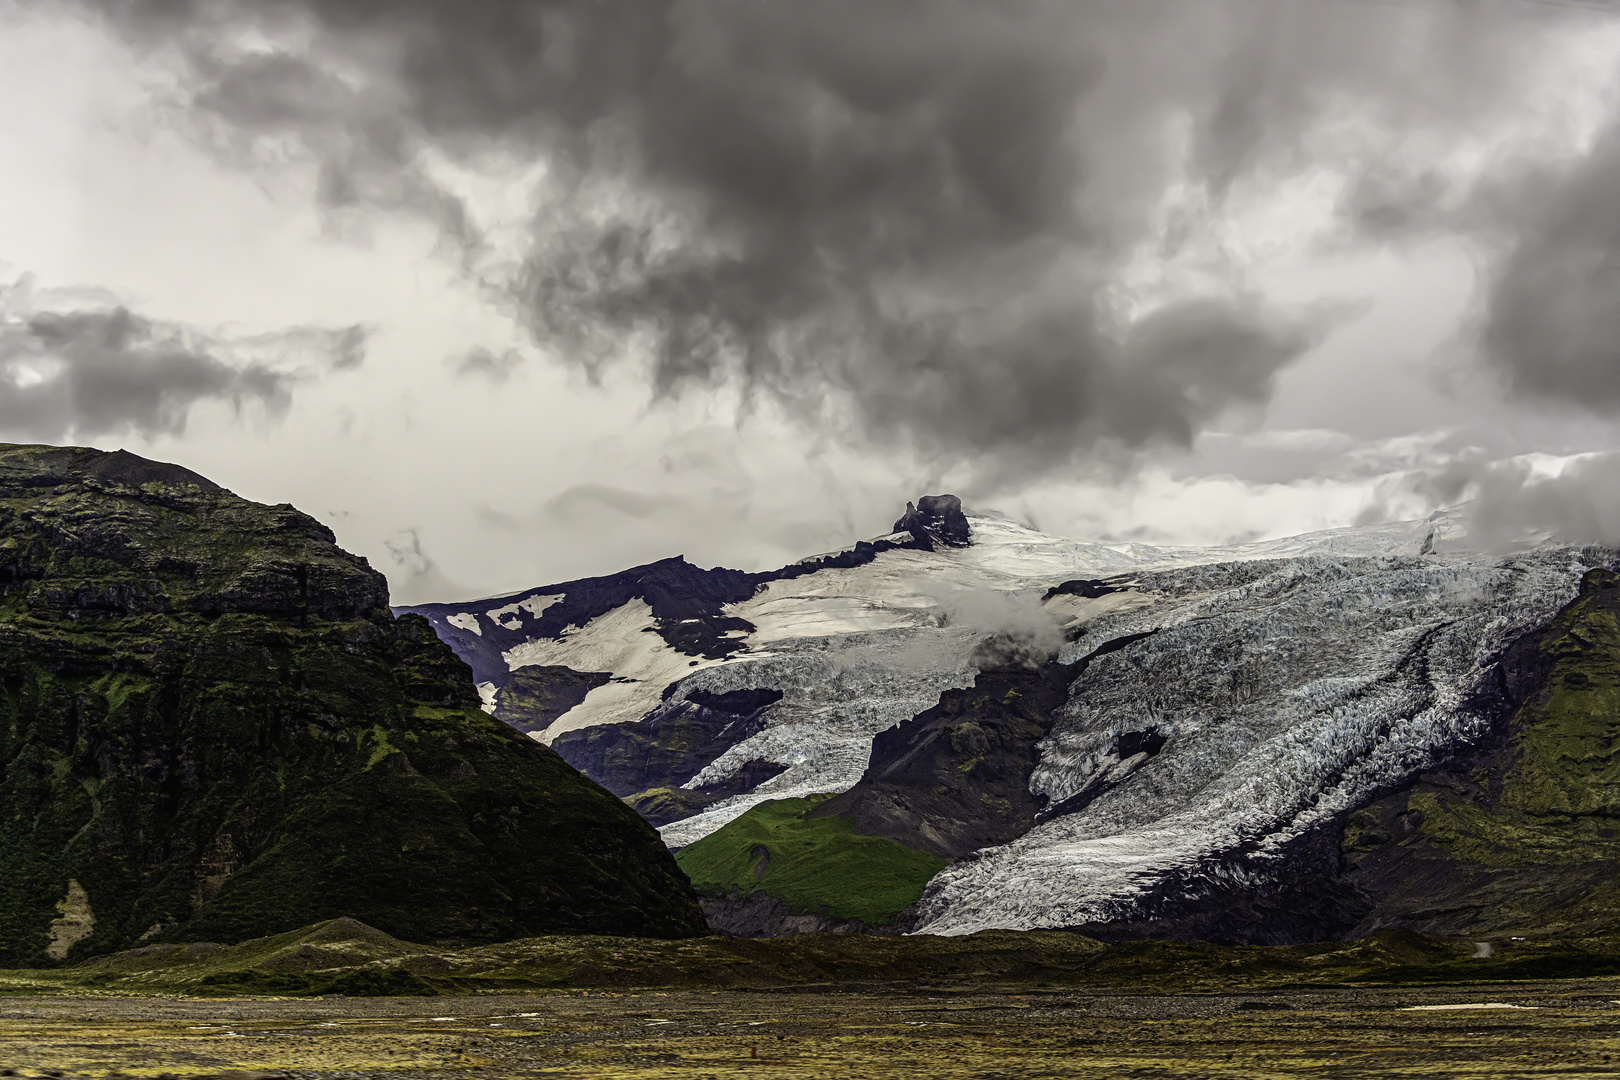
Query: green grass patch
(813, 865)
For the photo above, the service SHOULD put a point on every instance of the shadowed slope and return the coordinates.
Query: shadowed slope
(212, 727)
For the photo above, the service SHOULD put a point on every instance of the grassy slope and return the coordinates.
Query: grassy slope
(1533, 838)
(813, 865)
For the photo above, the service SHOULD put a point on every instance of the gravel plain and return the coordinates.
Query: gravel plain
(1556, 1029)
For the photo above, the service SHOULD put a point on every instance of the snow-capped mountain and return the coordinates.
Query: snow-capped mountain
(1230, 700)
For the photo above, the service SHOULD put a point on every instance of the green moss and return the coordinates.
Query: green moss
(1569, 745)
(813, 865)
(665, 804)
(381, 747)
(1559, 799)
(211, 721)
(1530, 841)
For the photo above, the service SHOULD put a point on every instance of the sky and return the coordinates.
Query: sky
(521, 291)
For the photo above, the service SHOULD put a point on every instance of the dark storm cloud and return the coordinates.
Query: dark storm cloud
(1552, 319)
(83, 373)
(910, 214)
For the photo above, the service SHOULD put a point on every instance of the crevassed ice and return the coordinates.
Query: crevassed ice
(838, 692)
(1287, 690)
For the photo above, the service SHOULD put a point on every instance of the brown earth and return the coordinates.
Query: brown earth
(1558, 1029)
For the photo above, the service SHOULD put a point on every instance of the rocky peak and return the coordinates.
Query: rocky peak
(89, 535)
(217, 731)
(935, 519)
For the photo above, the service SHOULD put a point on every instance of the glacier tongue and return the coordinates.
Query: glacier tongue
(1285, 692)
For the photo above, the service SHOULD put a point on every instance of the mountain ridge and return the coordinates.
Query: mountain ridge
(1234, 708)
(213, 727)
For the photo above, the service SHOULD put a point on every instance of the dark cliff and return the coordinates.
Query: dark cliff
(213, 728)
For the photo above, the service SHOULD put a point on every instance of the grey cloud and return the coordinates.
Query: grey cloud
(908, 215)
(416, 577)
(1552, 319)
(1018, 630)
(1513, 507)
(481, 361)
(1508, 504)
(82, 373)
(585, 498)
(1581, 505)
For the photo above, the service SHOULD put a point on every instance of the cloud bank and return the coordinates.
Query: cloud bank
(85, 369)
(910, 221)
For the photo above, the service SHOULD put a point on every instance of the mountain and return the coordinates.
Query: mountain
(975, 725)
(213, 728)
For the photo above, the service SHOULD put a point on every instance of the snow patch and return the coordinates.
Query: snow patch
(537, 604)
(501, 615)
(466, 620)
(623, 641)
(487, 692)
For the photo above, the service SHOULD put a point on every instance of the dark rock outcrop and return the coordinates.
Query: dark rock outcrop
(648, 761)
(534, 696)
(1085, 588)
(955, 778)
(935, 520)
(213, 728)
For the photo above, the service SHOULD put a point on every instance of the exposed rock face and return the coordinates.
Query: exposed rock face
(670, 746)
(212, 727)
(649, 762)
(936, 520)
(535, 696)
(955, 778)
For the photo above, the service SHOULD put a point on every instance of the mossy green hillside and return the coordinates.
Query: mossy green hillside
(212, 728)
(1527, 837)
(813, 865)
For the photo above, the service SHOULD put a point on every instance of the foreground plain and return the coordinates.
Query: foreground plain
(342, 999)
(1565, 1029)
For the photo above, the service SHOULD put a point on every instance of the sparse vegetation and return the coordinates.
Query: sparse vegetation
(348, 957)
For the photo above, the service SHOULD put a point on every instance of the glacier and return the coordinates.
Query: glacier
(1265, 689)
(1286, 692)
